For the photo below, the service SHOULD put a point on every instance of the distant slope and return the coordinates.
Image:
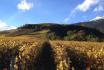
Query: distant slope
(57, 31)
(97, 23)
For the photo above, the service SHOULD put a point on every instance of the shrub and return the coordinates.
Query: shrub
(52, 36)
(91, 37)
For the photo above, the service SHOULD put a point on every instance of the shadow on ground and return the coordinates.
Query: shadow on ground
(45, 59)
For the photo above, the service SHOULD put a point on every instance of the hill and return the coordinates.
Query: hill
(57, 32)
(97, 23)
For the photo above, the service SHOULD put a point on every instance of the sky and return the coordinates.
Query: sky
(14, 13)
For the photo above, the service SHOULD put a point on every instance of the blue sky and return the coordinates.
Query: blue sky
(14, 13)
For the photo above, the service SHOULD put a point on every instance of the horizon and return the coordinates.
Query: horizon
(19, 12)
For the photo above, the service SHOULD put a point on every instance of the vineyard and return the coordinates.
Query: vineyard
(20, 53)
(81, 55)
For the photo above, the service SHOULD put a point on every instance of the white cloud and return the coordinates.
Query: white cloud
(98, 5)
(86, 5)
(24, 5)
(70, 16)
(4, 26)
(99, 8)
